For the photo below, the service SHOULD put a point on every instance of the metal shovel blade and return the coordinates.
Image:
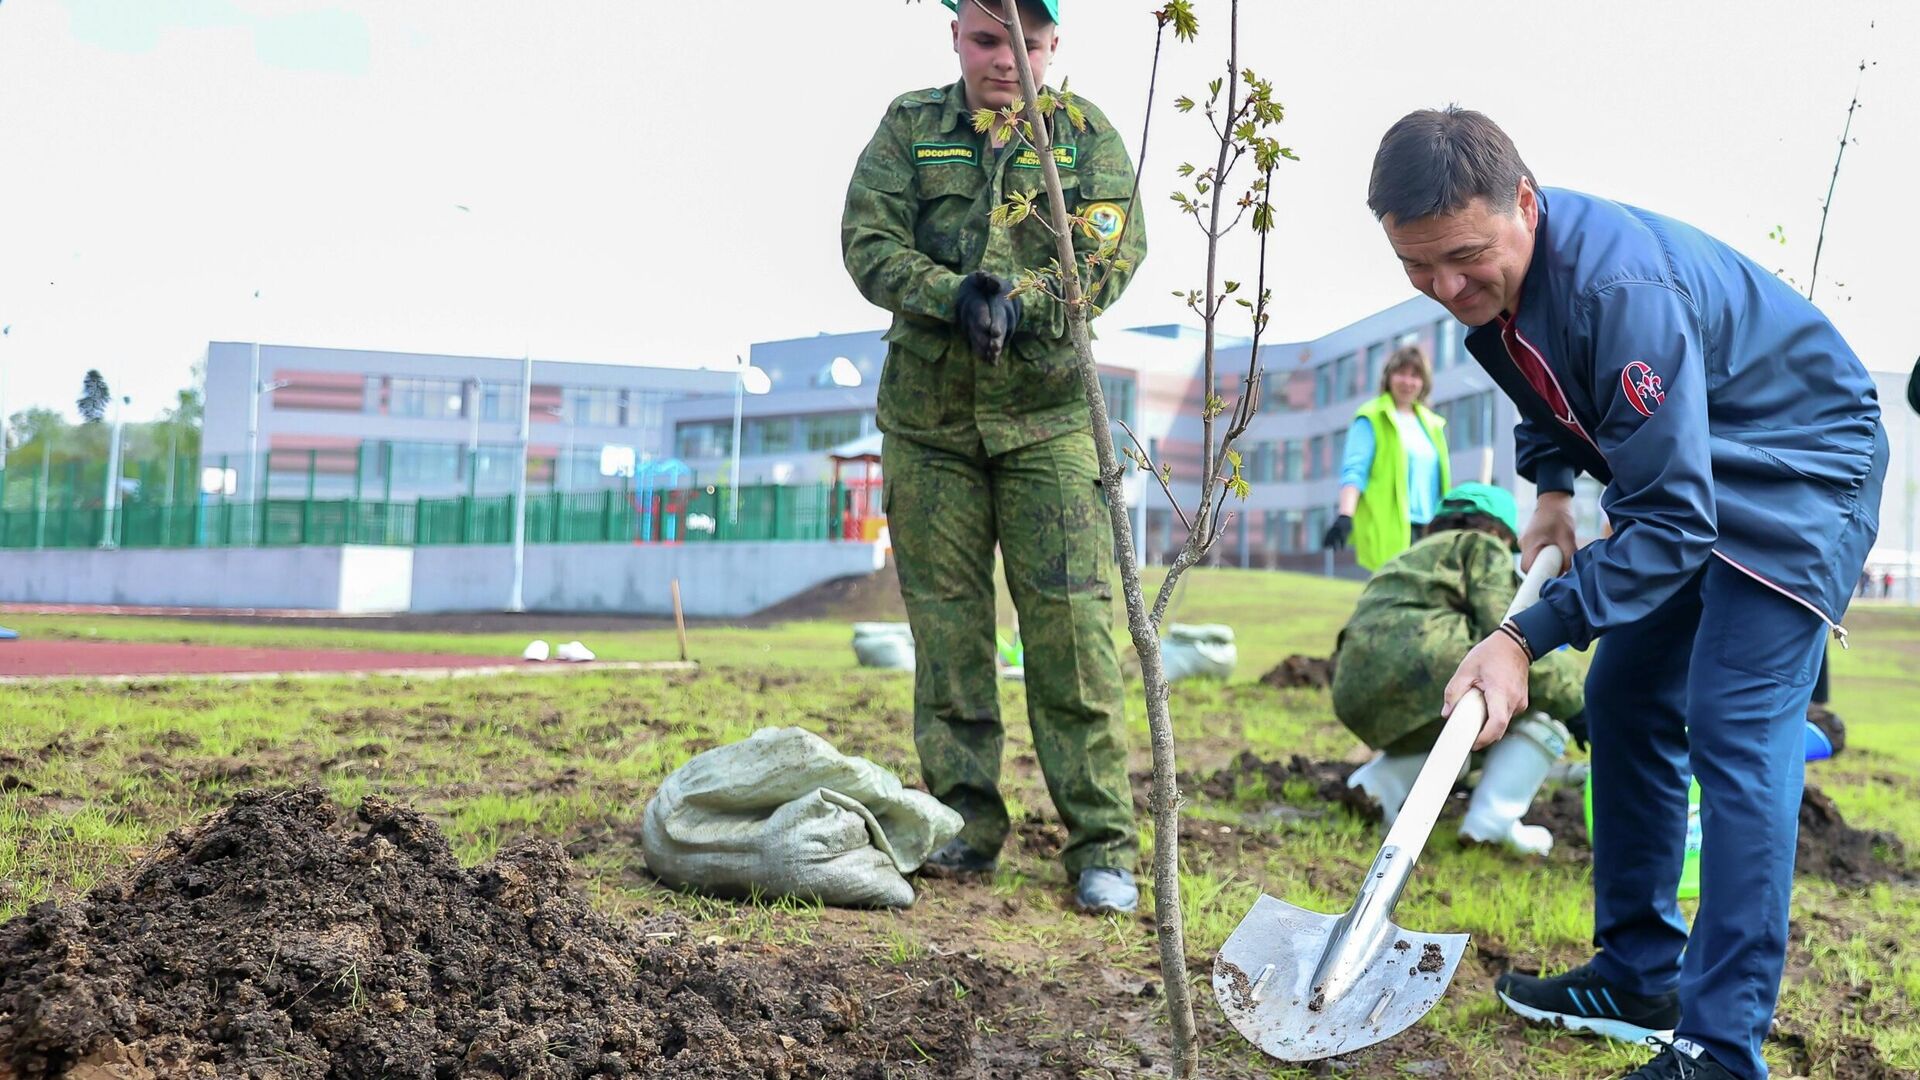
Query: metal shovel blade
(1264, 976)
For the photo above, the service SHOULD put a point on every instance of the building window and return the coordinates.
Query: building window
(769, 435)
(1273, 391)
(1323, 386)
(828, 430)
(1376, 360)
(1261, 467)
(500, 401)
(592, 407)
(1316, 527)
(1446, 345)
(645, 409)
(1292, 460)
(1316, 457)
(1281, 531)
(1343, 377)
(425, 464)
(704, 439)
(1118, 390)
(429, 399)
(1469, 420)
(492, 467)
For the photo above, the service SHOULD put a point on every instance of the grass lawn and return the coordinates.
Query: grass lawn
(91, 776)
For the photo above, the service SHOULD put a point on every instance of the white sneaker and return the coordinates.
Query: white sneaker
(535, 651)
(573, 651)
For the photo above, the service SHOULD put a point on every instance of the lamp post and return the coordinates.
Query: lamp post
(112, 498)
(747, 380)
(516, 597)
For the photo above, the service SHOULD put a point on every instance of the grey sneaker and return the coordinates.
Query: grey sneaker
(1104, 889)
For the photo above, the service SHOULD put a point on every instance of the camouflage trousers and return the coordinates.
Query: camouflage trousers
(1389, 679)
(1041, 504)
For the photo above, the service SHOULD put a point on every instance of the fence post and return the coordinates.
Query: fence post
(266, 496)
(306, 508)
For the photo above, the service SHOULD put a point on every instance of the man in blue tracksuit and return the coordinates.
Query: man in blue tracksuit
(1741, 447)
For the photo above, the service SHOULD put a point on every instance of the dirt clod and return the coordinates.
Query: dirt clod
(275, 931)
(1298, 672)
(1432, 959)
(1844, 855)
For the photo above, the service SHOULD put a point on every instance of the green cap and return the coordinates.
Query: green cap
(1052, 7)
(1495, 502)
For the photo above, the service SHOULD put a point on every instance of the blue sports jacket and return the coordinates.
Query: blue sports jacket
(1723, 412)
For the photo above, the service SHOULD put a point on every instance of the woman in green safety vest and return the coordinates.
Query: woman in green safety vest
(1395, 467)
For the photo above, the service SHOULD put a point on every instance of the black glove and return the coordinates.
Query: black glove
(1913, 387)
(1577, 727)
(1338, 532)
(988, 315)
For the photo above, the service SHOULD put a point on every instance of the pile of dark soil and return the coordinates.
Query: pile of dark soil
(1844, 855)
(276, 938)
(871, 597)
(1298, 671)
(1328, 780)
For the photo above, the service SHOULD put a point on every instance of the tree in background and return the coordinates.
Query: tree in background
(94, 396)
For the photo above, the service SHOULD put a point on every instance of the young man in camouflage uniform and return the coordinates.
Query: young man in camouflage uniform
(987, 440)
(1416, 620)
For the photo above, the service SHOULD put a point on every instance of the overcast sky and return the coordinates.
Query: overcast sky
(594, 180)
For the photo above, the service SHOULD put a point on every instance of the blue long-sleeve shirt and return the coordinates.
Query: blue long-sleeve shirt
(1423, 464)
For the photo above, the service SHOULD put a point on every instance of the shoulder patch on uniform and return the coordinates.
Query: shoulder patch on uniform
(932, 153)
(1104, 220)
(1065, 157)
(1644, 390)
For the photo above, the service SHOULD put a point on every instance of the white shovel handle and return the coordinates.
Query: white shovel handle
(1422, 807)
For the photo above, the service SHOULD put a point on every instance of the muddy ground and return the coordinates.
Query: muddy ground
(1829, 848)
(287, 936)
(282, 937)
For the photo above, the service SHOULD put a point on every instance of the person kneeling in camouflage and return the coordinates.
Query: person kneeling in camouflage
(1416, 620)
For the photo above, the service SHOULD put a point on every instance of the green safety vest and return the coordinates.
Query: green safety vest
(1381, 525)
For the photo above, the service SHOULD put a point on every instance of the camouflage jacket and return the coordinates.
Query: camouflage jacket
(915, 225)
(1415, 621)
(1454, 577)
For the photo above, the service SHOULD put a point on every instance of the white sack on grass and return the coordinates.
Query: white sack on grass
(883, 645)
(784, 812)
(1198, 652)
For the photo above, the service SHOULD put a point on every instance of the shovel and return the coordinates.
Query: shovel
(1301, 985)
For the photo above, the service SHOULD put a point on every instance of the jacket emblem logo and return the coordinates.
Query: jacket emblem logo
(1103, 221)
(1645, 391)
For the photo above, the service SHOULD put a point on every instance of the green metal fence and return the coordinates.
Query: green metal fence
(680, 515)
(58, 500)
